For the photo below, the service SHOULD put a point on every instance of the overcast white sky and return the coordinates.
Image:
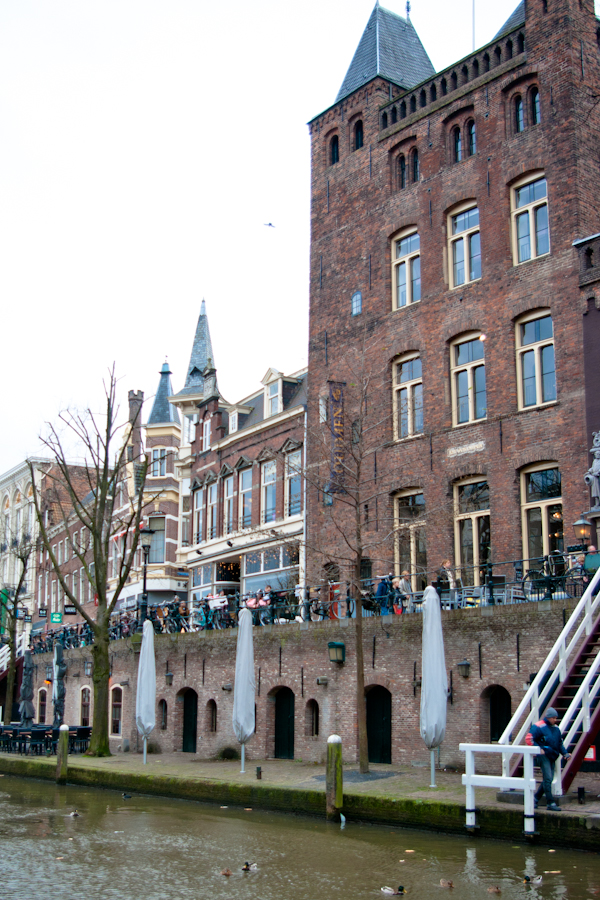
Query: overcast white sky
(143, 145)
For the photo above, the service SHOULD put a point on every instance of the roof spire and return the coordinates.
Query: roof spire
(162, 411)
(201, 352)
(408, 10)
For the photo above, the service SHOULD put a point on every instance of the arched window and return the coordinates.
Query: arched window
(486, 62)
(454, 81)
(542, 512)
(408, 396)
(472, 528)
(456, 145)
(394, 115)
(311, 727)
(536, 112)
(521, 43)
(403, 110)
(85, 707)
(413, 104)
(358, 135)
(384, 121)
(465, 74)
(519, 115)
(401, 173)
(406, 267)
(467, 365)
(471, 138)
(356, 303)
(536, 369)
(423, 98)
(162, 715)
(334, 150)
(211, 717)
(529, 212)
(464, 245)
(509, 49)
(415, 165)
(42, 707)
(433, 93)
(475, 68)
(444, 87)
(497, 56)
(116, 710)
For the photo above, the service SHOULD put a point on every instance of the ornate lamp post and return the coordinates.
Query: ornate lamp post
(146, 541)
(583, 530)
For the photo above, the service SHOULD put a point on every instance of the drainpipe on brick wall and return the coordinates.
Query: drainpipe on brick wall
(303, 556)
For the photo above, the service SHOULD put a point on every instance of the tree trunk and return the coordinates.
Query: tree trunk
(99, 743)
(12, 673)
(361, 705)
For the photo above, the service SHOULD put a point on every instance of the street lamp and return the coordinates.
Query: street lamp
(337, 652)
(583, 529)
(464, 668)
(146, 540)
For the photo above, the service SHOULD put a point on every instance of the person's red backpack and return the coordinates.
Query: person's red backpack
(529, 737)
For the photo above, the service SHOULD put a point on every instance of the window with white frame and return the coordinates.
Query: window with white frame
(159, 463)
(157, 546)
(233, 422)
(211, 513)
(40, 590)
(228, 504)
(293, 478)
(469, 403)
(206, 435)
(536, 370)
(245, 498)
(116, 710)
(75, 588)
(86, 699)
(198, 515)
(60, 552)
(530, 226)
(406, 268)
(276, 566)
(464, 246)
(408, 396)
(542, 512)
(356, 303)
(83, 586)
(411, 547)
(269, 488)
(54, 596)
(189, 427)
(273, 398)
(472, 528)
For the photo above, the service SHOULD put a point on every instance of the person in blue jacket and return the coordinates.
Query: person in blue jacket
(546, 734)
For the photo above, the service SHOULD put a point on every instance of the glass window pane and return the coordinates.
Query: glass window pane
(246, 479)
(523, 243)
(253, 563)
(404, 554)
(543, 485)
(473, 497)
(548, 374)
(542, 233)
(531, 192)
(420, 554)
(483, 539)
(415, 279)
(411, 507)
(465, 527)
(555, 527)
(457, 145)
(465, 220)
(418, 408)
(401, 284)
(407, 245)
(462, 396)
(469, 351)
(403, 413)
(472, 139)
(458, 262)
(519, 119)
(271, 560)
(480, 395)
(535, 545)
(474, 256)
(528, 375)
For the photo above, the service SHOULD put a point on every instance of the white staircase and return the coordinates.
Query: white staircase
(5, 652)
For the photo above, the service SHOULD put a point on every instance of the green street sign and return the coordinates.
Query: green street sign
(56, 618)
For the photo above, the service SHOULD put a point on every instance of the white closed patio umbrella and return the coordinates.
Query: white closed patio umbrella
(145, 702)
(244, 687)
(434, 681)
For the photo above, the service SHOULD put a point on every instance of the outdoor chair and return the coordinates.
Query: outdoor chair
(37, 741)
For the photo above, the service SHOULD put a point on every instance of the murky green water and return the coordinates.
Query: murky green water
(148, 848)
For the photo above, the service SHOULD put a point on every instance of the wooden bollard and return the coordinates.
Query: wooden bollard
(62, 755)
(334, 780)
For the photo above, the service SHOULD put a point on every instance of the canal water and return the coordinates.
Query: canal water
(148, 848)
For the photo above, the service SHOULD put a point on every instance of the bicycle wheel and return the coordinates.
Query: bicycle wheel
(534, 585)
(575, 582)
(342, 609)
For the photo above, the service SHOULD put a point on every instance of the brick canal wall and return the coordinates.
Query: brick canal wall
(295, 655)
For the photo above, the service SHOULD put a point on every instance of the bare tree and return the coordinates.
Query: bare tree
(86, 495)
(355, 521)
(20, 547)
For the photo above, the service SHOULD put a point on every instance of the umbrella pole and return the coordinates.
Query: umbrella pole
(145, 745)
(243, 769)
(433, 784)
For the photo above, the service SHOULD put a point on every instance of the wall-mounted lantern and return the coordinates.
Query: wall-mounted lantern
(337, 652)
(583, 529)
(168, 678)
(464, 668)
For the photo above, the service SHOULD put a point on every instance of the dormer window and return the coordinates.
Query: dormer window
(233, 422)
(273, 398)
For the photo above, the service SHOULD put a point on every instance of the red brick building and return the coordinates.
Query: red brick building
(445, 207)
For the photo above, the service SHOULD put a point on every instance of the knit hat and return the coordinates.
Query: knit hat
(551, 713)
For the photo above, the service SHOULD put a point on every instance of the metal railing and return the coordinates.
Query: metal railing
(526, 782)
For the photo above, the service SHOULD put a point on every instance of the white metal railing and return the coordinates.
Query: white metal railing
(5, 651)
(561, 655)
(526, 782)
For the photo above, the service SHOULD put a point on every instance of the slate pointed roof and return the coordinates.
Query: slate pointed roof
(389, 47)
(162, 411)
(201, 353)
(514, 20)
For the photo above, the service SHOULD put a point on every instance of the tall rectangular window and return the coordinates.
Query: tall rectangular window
(159, 463)
(411, 547)
(198, 515)
(541, 502)
(228, 505)
(245, 498)
(472, 529)
(269, 488)
(469, 398)
(465, 247)
(116, 710)
(273, 398)
(536, 368)
(531, 232)
(293, 469)
(206, 434)
(211, 511)
(406, 270)
(408, 397)
(157, 547)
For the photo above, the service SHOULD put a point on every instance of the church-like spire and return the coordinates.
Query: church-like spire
(201, 353)
(390, 47)
(163, 413)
